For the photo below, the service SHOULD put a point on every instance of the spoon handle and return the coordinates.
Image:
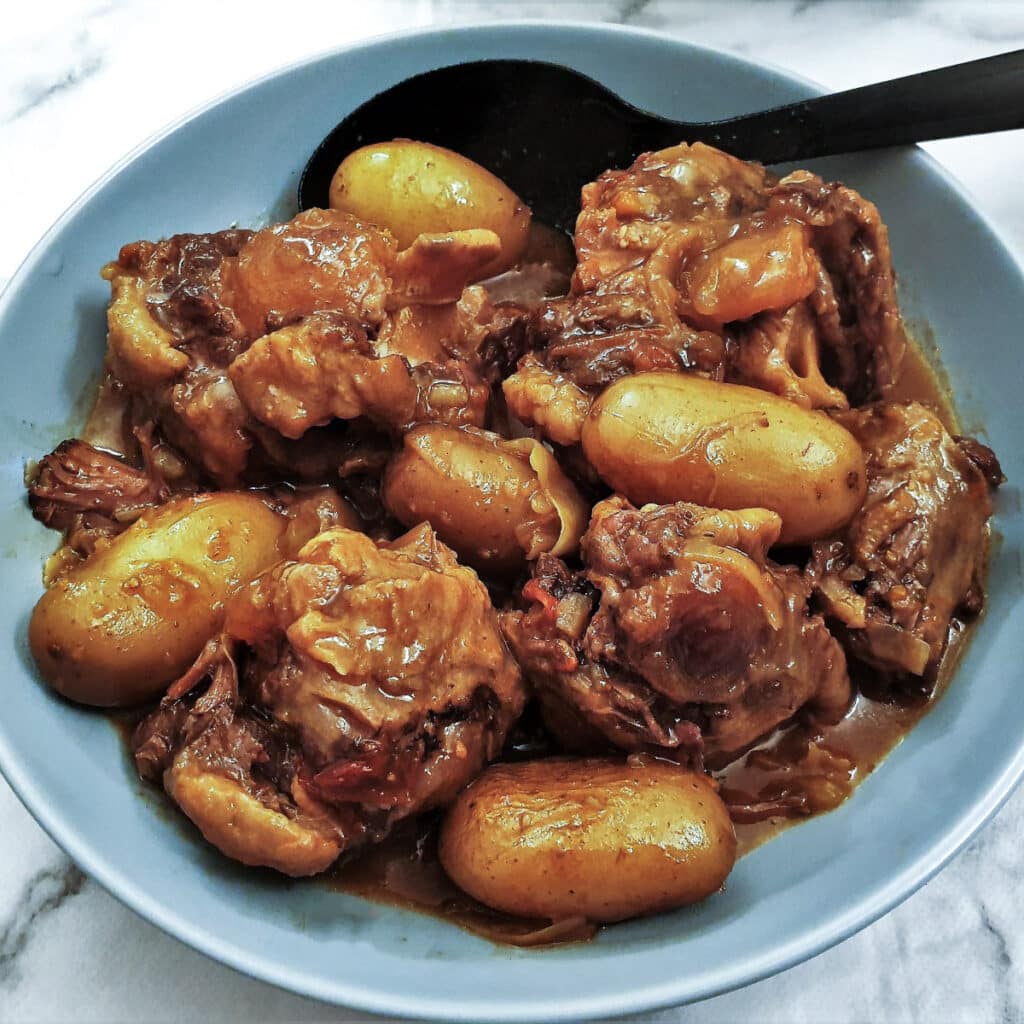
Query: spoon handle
(966, 99)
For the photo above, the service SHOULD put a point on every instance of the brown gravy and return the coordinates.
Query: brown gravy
(841, 755)
(812, 767)
(826, 762)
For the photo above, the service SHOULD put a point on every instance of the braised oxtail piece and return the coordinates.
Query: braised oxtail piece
(679, 635)
(345, 710)
(914, 555)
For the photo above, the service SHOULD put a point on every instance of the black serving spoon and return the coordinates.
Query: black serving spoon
(547, 130)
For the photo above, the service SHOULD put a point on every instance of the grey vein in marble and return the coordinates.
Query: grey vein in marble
(1002, 947)
(1007, 28)
(630, 10)
(45, 892)
(1008, 1012)
(34, 96)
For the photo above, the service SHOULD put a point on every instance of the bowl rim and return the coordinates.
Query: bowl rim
(869, 908)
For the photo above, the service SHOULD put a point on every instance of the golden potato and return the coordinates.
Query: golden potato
(496, 502)
(664, 437)
(604, 839)
(245, 828)
(312, 512)
(117, 629)
(414, 188)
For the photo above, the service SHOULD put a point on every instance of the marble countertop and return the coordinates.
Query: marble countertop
(82, 82)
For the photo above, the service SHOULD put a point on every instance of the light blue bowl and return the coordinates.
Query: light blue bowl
(238, 161)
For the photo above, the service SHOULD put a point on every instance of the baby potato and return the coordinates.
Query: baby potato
(314, 511)
(246, 829)
(607, 839)
(664, 437)
(414, 188)
(496, 502)
(118, 628)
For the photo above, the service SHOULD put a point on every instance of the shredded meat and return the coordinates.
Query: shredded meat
(913, 556)
(91, 495)
(693, 629)
(214, 336)
(184, 282)
(694, 261)
(237, 775)
(325, 368)
(77, 480)
(854, 300)
(172, 333)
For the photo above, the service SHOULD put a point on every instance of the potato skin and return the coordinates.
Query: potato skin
(117, 629)
(414, 188)
(314, 511)
(664, 437)
(496, 502)
(605, 839)
(243, 828)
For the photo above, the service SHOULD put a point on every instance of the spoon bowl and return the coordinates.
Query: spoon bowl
(547, 130)
(544, 129)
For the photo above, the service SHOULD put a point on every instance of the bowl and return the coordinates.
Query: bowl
(238, 161)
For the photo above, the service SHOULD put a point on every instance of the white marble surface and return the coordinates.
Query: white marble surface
(81, 82)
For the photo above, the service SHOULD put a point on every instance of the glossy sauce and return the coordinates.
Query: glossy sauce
(811, 768)
(923, 379)
(804, 768)
(818, 767)
(404, 871)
